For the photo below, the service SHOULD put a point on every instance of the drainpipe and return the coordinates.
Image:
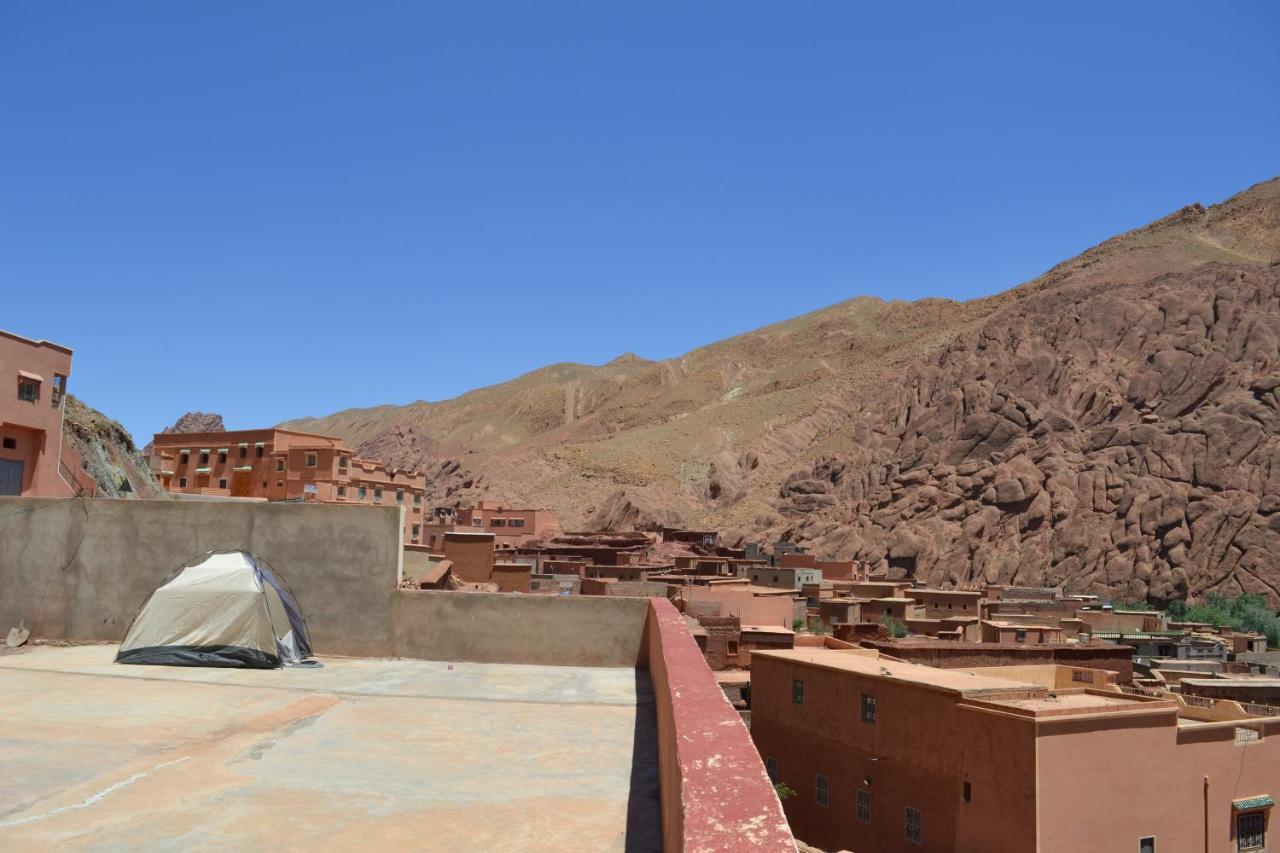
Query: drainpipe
(1206, 814)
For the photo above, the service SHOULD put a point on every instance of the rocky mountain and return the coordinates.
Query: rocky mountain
(108, 453)
(1110, 425)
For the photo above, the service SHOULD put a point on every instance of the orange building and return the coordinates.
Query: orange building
(284, 465)
(33, 459)
(886, 755)
(511, 528)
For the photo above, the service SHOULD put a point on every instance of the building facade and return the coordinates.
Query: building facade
(285, 465)
(33, 459)
(511, 528)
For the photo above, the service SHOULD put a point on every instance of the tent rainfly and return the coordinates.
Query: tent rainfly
(223, 608)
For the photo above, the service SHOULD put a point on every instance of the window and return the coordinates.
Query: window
(184, 457)
(1020, 635)
(342, 491)
(731, 647)
(1147, 845)
(59, 388)
(868, 708)
(477, 522)
(311, 460)
(915, 826)
(279, 484)
(182, 482)
(377, 495)
(864, 806)
(244, 451)
(28, 390)
(417, 499)
(966, 792)
(257, 451)
(417, 531)
(797, 691)
(1251, 831)
(515, 522)
(342, 463)
(499, 522)
(822, 789)
(771, 767)
(222, 483)
(280, 464)
(11, 444)
(204, 457)
(222, 457)
(362, 493)
(399, 496)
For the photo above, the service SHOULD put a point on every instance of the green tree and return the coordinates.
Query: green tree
(896, 628)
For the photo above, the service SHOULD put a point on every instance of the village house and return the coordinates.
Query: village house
(892, 756)
(34, 460)
(511, 528)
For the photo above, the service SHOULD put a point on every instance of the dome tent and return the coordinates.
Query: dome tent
(223, 608)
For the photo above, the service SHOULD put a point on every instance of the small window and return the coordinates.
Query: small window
(515, 522)
(399, 496)
(362, 493)
(771, 767)
(342, 463)
(11, 444)
(279, 484)
(182, 482)
(868, 708)
(417, 499)
(477, 522)
(222, 482)
(222, 457)
(864, 806)
(342, 491)
(1147, 845)
(59, 389)
(28, 390)
(822, 790)
(257, 451)
(1251, 831)
(244, 452)
(417, 531)
(377, 495)
(499, 522)
(966, 792)
(311, 460)
(915, 826)
(797, 691)
(1020, 635)
(184, 458)
(280, 464)
(731, 646)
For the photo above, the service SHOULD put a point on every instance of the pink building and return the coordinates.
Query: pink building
(511, 528)
(32, 461)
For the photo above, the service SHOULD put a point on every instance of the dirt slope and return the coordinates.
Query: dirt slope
(1110, 424)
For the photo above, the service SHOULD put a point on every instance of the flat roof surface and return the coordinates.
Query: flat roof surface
(1075, 702)
(849, 660)
(358, 754)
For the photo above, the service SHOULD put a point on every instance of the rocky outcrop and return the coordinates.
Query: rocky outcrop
(1116, 439)
(108, 453)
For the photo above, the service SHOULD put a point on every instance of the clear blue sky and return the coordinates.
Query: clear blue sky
(279, 209)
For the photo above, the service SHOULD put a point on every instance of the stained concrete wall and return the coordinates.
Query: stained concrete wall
(536, 629)
(80, 569)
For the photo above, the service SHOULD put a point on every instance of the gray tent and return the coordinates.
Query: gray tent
(224, 608)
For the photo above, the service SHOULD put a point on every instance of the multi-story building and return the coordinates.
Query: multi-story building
(891, 756)
(285, 465)
(34, 461)
(511, 528)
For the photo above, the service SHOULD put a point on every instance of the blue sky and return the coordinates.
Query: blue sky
(273, 210)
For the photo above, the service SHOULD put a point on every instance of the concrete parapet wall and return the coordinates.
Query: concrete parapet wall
(535, 629)
(80, 569)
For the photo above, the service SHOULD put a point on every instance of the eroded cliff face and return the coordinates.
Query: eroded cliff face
(1119, 439)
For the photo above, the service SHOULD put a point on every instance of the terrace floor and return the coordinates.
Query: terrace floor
(358, 754)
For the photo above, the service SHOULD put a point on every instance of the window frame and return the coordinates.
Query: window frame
(223, 483)
(862, 805)
(797, 691)
(867, 708)
(280, 465)
(311, 460)
(771, 768)
(1143, 847)
(918, 837)
(25, 385)
(822, 789)
(1260, 834)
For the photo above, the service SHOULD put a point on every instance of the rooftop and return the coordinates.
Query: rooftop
(868, 662)
(356, 754)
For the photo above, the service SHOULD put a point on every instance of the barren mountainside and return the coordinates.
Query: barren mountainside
(1110, 425)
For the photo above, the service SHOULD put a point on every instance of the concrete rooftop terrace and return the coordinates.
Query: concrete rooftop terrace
(360, 753)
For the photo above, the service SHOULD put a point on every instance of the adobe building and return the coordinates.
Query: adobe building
(834, 570)
(284, 465)
(891, 756)
(34, 461)
(952, 654)
(751, 605)
(1010, 633)
(471, 553)
(511, 528)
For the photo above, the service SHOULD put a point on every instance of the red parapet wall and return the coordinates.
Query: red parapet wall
(716, 795)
